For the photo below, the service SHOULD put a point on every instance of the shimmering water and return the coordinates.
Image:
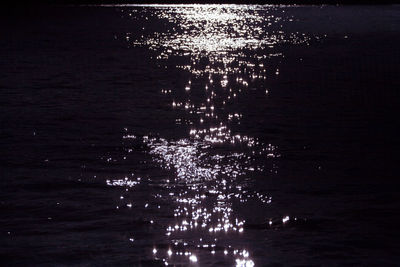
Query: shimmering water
(224, 135)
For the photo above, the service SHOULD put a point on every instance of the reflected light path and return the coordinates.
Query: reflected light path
(226, 49)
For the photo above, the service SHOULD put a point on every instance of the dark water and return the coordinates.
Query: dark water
(200, 135)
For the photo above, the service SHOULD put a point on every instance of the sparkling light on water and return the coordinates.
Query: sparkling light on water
(227, 49)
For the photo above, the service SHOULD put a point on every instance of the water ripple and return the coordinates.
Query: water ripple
(226, 50)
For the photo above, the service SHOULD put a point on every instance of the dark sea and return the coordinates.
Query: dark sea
(200, 135)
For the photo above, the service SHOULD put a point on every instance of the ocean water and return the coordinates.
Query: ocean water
(199, 135)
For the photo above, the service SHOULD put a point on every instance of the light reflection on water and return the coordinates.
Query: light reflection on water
(228, 48)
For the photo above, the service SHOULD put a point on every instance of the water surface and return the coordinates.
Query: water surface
(225, 135)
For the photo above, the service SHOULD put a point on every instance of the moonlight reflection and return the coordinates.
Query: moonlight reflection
(227, 48)
(199, 135)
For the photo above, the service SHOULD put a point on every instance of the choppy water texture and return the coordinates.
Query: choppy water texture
(223, 135)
